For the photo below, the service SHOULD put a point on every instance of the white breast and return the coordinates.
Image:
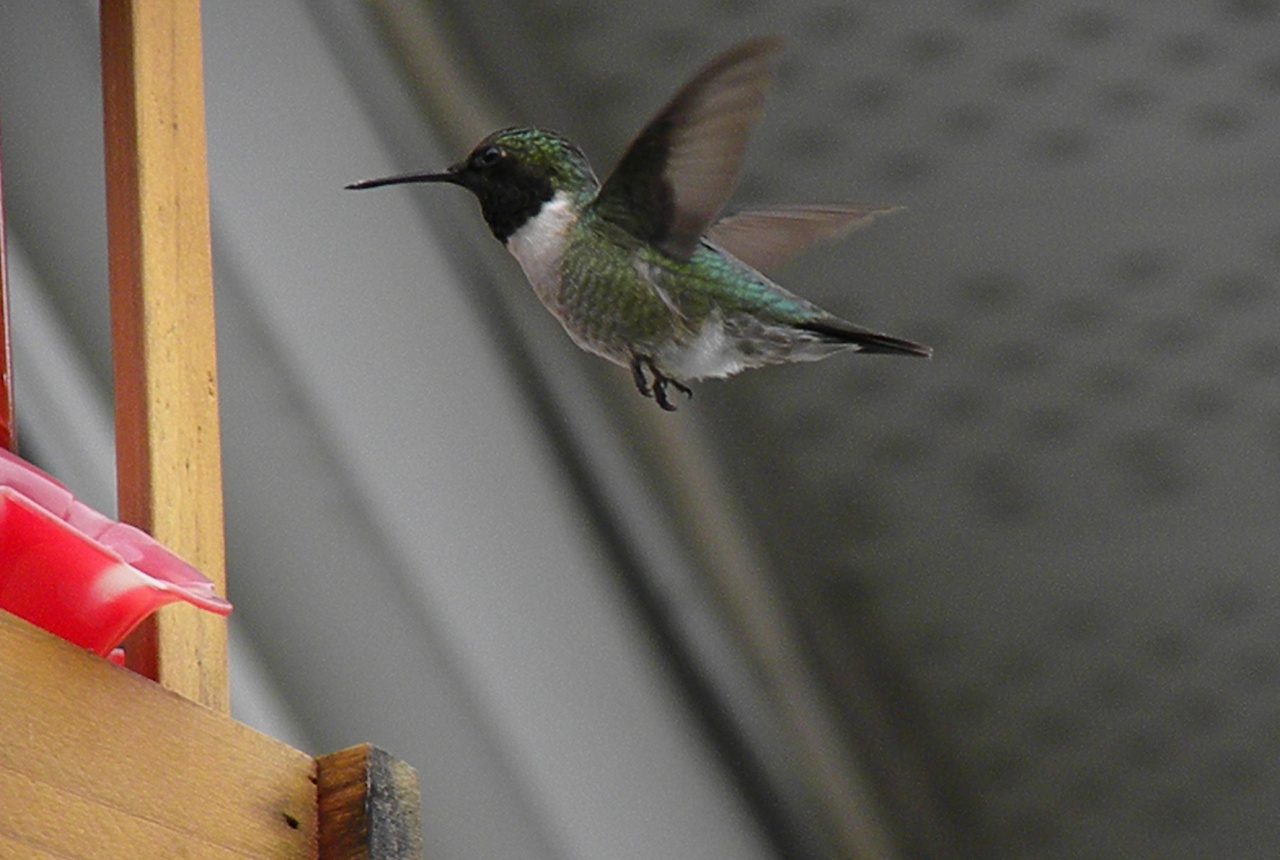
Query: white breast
(713, 353)
(540, 243)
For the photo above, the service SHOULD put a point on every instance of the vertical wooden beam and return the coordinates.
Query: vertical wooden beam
(167, 441)
(8, 430)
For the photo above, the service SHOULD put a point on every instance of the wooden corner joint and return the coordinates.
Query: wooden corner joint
(369, 806)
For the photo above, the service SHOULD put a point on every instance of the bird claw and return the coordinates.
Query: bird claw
(657, 389)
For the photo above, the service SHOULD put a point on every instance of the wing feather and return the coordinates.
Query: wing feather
(675, 177)
(767, 238)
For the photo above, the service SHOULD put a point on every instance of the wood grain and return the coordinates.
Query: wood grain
(167, 437)
(370, 806)
(97, 763)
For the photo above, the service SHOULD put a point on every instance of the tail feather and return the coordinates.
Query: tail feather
(866, 340)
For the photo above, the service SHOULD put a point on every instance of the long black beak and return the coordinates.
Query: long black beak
(450, 175)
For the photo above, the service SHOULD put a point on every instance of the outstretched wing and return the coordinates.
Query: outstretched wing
(675, 177)
(767, 238)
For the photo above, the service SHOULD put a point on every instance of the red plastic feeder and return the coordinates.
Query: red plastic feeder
(84, 577)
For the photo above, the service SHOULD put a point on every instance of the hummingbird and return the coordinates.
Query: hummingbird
(642, 270)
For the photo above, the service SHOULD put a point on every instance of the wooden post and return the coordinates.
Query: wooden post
(167, 442)
(369, 806)
(95, 762)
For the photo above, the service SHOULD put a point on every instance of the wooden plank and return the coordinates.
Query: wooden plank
(370, 806)
(97, 763)
(8, 429)
(13, 848)
(167, 441)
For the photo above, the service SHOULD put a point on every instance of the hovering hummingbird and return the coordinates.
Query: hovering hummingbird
(639, 270)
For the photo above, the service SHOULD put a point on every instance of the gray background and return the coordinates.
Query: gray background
(1018, 601)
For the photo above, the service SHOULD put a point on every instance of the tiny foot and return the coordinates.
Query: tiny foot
(657, 389)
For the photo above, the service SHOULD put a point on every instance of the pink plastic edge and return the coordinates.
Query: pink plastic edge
(132, 545)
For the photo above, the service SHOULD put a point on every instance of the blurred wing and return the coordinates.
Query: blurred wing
(675, 177)
(766, 238)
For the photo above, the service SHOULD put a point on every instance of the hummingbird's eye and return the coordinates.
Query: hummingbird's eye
(487, 157)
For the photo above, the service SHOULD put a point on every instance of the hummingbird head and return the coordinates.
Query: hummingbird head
(513, 172)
